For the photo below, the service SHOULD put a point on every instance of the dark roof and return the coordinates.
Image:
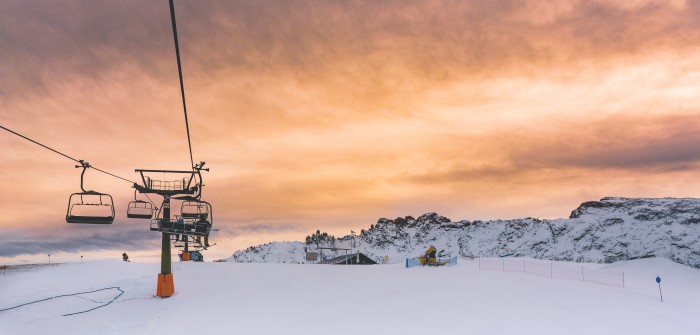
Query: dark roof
(351, 259)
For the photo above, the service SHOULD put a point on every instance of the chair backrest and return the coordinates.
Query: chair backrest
(90, 208)
(139, 209)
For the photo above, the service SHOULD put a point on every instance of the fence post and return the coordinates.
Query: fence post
(523, 266)
(623, 280)
(583, 277)
(479, 263)
(550, 270)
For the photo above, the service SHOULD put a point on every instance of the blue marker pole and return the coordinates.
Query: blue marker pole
(658, 281)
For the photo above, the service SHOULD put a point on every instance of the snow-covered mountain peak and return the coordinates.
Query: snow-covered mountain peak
(644, 209)
(610, 229)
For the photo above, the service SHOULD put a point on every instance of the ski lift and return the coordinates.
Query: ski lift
(195, 224)
(89, 206)
(189, 226)
(195, 209)
(195, 219)
(182, 226)
(139, 209)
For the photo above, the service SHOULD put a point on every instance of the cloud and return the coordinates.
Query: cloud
(629, 142)
(314, 113)
(365, 48)
(256, 228)
(20, 242)
(652, 144)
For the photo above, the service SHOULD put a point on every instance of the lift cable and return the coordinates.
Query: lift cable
(81, 162)
(182, 86)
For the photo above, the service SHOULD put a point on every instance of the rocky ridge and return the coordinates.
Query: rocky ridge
(597, 231)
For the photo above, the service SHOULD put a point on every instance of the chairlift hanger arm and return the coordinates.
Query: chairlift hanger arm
(199, 168)
(85, 166)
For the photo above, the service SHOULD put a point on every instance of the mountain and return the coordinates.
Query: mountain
(597, 231)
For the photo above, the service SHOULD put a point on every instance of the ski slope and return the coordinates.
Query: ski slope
(228, 298)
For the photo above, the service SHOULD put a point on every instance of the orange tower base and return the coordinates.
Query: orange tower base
(166, 287)
(185, 256)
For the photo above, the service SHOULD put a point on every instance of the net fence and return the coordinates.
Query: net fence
(553, 270)
(411, 262)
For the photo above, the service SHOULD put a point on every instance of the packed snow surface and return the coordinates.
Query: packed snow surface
(240, 298)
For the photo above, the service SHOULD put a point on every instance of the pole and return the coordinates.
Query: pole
(166, 286)
(165, 254)
(186, 251)
(661, 295)
(49, 258)
(165, 265)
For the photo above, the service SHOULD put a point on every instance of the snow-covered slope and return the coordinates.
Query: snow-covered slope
(597, 231)
(275, 252)
(235, 298)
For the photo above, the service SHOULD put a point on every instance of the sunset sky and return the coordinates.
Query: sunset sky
(331, 114)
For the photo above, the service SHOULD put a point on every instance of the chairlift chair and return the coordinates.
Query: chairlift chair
(139, 209)
(89, 207)
(195, 209)
(188, 226)
(195, 219)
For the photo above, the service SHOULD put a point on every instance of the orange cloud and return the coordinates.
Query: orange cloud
(317, 114)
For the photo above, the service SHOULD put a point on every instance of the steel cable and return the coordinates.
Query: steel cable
(64, 155)
(182, 85)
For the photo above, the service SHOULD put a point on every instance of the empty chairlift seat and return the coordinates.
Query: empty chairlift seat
(90, 207)
(139, 209)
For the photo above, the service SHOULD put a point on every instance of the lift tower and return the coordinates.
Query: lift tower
(188, 186)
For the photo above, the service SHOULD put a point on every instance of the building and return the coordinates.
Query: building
(351, 259)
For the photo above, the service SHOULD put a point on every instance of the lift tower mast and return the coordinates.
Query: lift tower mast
(187, 187)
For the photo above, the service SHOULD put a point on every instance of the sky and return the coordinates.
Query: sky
(332, 114)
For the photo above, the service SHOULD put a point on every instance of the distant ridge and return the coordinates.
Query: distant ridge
(597, 231)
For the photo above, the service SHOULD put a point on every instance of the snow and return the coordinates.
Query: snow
(597, 231)
(259, 298)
